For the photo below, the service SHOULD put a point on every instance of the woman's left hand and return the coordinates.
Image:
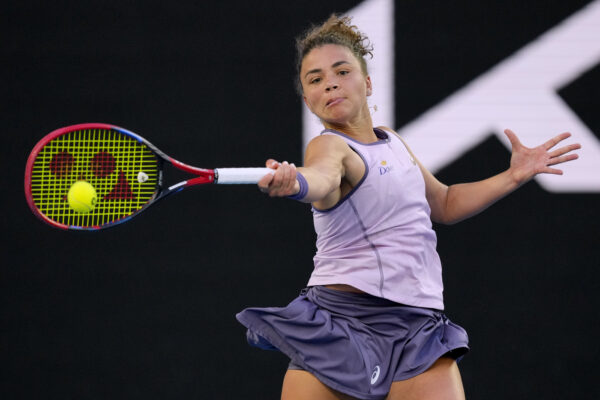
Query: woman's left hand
(526, 162)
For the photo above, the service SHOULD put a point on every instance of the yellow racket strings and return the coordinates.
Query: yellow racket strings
(123, 171)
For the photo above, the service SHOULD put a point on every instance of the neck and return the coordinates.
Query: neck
(361, 128)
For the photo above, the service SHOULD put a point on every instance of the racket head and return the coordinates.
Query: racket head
(124, 169)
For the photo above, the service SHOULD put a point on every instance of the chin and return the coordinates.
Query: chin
(336, 119)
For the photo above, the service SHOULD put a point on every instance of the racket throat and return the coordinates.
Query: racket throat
(198, 181)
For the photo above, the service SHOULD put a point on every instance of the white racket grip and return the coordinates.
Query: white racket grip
(233, 176)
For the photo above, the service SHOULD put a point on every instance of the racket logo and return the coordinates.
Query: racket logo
(102, 164)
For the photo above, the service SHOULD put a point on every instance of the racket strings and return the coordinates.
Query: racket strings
(123, 171)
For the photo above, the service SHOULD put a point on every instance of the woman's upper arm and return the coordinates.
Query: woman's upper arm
(436, 193)
(324, 164)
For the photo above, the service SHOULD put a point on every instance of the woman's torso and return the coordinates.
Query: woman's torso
(378, 238)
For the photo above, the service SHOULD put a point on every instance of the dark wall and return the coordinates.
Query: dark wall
(146, 310)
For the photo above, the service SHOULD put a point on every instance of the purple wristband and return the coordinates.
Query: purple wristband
(303, 187)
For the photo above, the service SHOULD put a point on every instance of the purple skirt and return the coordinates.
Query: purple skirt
(355, 343)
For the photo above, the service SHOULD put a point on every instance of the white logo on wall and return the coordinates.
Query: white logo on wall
(519, 93)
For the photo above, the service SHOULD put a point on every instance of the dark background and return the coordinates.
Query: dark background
(147, 309)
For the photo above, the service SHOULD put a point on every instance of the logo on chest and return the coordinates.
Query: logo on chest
(384, 168)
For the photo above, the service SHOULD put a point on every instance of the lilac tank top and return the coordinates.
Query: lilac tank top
(379, 237)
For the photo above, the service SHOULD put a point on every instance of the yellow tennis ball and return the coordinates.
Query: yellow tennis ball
(82, 197)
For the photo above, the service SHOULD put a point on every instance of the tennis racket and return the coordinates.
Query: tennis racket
(125, 170)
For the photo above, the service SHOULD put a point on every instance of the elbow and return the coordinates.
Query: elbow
(450, 221)
(440, 212)
(447, 218)
(443, 220)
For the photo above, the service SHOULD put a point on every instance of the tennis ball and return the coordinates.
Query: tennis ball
(82, 197)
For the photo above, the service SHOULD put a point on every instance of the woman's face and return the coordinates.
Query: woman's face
(335, 88)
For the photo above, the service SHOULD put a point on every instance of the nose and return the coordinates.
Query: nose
(331, 86)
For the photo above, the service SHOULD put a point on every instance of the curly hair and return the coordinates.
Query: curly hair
(336, 30)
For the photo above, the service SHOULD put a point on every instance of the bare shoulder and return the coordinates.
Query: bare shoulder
(327, 141)
(388, 129)
(433, 185)
(327, 146)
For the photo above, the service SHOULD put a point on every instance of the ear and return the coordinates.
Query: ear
(369, 86)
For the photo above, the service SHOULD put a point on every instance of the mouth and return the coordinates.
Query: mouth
(334, 101)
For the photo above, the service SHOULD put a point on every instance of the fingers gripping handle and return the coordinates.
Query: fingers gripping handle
(232, 176)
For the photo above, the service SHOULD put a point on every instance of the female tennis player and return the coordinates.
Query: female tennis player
(370, 324)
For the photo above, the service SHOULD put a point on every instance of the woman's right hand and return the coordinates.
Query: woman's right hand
(282, 183)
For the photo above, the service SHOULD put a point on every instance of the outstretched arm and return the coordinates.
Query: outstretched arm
(323, 171)
(451, 204)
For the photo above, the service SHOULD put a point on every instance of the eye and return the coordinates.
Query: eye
(315, 80)
(344, 72)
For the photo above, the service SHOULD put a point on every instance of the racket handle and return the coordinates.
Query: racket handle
(232, 176)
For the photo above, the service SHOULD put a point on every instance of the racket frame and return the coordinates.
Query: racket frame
(204, 176)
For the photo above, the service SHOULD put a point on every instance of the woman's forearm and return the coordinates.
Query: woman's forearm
(467, 199)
